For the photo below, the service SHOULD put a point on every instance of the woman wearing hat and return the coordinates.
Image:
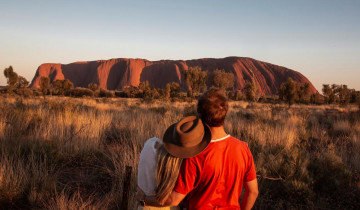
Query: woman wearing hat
(160, 161)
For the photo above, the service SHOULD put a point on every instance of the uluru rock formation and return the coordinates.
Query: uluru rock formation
(115, 74)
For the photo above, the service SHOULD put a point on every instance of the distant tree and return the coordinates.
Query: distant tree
(250, 91)
(44, 85)
(67, 85)
(12, 78)
(22, 82)
(80, 92)
(167, 91)
(62, 86)
(354, 96)
(17, 83)
(58, 87)
(22, 87)
(328, 93)
(316, 98)
(94, 87)
(338, 94)
(24, 92)
(155, 93)
(174, 88)
(295, 92)
(144, 86)
(344, 94)
(304, 92)
(106, 93)
(289, 91)
(145, 90)
(238, 95)
(222, 79)
(131, 91)
(195, 79)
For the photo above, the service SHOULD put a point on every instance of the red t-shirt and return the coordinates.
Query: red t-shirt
(214, 178)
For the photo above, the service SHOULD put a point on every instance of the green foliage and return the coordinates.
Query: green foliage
(44, 85)
(196, 79)
(146, 92)
(22, 88)
(250, 91)
(57, 87)
(339, 94)
(344, 94)
(167, 91)
(17, 83)
(80, 92)
(67, 85)
(304, 93)
(329, 93)
(237, 96)
(294, 92)
(106, 93)
(221, 79)
(288, 91)
(316, 98)
(94, 87)
(25, 91)
(131, 91)
(173, 89)
(60, 87)
(22, 82)
(354, 96)
(11, 76)
(144, 86)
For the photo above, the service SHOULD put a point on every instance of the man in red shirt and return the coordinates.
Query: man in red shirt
(214, 179)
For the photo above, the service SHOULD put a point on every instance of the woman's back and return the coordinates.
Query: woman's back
(147, 171)
(147, 166)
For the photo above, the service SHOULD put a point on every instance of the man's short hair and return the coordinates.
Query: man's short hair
(212, 107)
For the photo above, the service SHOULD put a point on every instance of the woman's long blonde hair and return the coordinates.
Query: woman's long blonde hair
(167, 172)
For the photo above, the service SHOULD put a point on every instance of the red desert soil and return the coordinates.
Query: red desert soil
(117, 73)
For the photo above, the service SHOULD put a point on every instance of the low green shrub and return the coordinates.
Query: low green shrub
(106, 93)
(80, 92)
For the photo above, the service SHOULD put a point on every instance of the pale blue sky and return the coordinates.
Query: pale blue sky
(319, 38)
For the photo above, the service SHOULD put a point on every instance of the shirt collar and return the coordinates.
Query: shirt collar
(220, 139)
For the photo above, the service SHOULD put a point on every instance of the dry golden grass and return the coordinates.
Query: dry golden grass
(71, 153)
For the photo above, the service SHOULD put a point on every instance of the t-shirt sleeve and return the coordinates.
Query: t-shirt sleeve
(187, 177)
(250, 172)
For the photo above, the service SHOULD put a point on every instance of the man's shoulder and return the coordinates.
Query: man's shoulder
(236, 142)
(230, 144)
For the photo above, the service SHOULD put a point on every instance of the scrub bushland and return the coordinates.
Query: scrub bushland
(71, 153)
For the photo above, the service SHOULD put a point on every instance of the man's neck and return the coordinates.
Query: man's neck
(217, 132)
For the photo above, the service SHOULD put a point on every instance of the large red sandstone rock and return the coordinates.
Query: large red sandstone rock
(117, 73)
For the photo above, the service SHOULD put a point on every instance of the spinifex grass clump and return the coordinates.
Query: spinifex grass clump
(71, 152)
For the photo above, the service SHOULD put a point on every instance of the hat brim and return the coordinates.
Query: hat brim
(185, 152)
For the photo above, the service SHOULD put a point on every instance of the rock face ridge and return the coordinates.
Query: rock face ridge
(115, 74)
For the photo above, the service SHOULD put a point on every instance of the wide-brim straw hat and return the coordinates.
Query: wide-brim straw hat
(187, 138)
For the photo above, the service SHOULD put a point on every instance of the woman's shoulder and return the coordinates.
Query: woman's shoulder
(153, 142)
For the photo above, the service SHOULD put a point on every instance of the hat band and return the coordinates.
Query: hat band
(189, 139)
